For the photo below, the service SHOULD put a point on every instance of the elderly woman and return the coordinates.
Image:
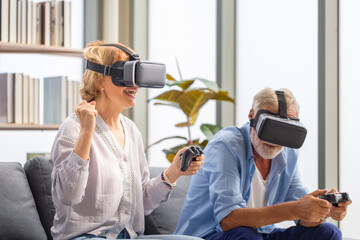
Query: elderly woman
(100, 178)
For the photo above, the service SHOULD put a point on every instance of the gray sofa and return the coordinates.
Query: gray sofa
(27, 210)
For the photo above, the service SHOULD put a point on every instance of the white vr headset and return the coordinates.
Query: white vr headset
(279, 129)
(133, 73)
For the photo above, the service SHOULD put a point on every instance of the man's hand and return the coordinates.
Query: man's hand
(338, 213)
(311, 210)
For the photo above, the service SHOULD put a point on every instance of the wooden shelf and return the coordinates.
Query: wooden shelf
(12, 126)
(6, 47)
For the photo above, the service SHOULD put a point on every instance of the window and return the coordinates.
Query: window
(349, 86)
(186, 30)
(277, 48)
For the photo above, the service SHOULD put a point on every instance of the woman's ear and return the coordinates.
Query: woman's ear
(251, 114)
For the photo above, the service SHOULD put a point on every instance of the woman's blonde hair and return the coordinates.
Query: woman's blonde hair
(104, 55)
(267, 98)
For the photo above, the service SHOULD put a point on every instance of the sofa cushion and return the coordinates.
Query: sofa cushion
(38, 172)
(163, 220)
(18, 215)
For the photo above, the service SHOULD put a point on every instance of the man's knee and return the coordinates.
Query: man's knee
(242, 233)
(329, 231)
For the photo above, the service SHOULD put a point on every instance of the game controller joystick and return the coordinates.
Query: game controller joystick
(189, 155)
(335, 198)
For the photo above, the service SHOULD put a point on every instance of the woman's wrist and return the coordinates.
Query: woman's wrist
(172, 173)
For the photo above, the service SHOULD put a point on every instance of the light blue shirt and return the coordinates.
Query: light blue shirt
(223, 183)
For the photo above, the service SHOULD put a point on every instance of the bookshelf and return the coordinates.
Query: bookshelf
(13, 126)
(6, 47)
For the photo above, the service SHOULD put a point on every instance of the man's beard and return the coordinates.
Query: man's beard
(265, 150)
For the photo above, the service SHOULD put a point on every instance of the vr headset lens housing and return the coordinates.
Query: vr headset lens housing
(279, 129)
(133, 73)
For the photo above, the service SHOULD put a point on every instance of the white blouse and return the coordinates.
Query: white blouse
(108, 193)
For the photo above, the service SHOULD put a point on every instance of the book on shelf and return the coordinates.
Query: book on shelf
(37, 26)
(59, 23)
(36, 101)
(4, 20)
(31, 101)
(18, 102)
(29, 28)
(18, 22)
(52, 22)
(36, 22)
(67, 24)
(77, 97)
(46, 23)
(13, 21)
(70, 97)
(55, 98)
(25, 105)
(23, 21)
(7, 97)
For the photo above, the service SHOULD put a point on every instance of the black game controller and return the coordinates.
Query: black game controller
(335, 198)
(189, 155)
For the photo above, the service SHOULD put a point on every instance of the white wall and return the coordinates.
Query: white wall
(277, 48)
(15, 145)
(186, 30)
(349, 114)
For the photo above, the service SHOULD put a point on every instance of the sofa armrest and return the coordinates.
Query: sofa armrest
(19, 218)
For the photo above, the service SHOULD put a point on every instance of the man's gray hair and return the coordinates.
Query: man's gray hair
(267, 97)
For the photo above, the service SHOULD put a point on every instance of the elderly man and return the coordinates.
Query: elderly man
(247, 184)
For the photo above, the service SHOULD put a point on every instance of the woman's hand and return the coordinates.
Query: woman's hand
(87, 114)
(174, 171)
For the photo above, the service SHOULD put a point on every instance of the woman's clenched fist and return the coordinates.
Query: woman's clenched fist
(87, 114)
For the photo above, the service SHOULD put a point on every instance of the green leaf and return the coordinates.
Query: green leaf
(167, 138)
(184, 84)
(171, 153)
(209, 130)
(203, 144)
(169, 104)
(192, 121)
(223, 96)
(193, 100)
(169, 77)
(209, 84)
(169, 96)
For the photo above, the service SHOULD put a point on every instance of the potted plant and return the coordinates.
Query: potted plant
(190, 100)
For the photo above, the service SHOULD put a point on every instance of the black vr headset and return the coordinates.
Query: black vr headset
(279, 129)
(133, 73)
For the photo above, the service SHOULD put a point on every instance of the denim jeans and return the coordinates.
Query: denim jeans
(325, 231)
(124, 235)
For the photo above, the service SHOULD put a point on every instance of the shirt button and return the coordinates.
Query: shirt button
(127, 212)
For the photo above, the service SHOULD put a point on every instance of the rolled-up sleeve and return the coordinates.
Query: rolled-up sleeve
(224, 180)
(70, 172)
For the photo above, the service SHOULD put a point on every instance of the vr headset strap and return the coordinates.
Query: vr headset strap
(103, 69)
(133, 56)
(282, 103)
